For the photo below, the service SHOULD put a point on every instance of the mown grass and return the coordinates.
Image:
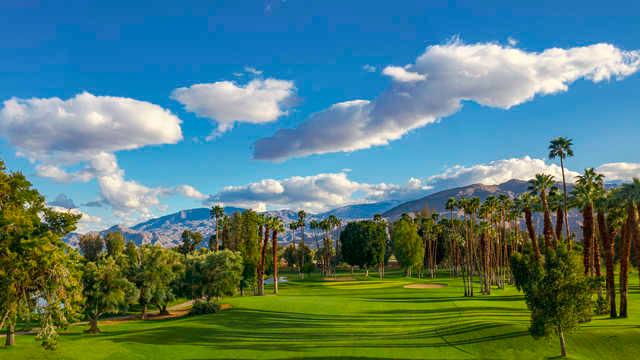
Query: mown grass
(349, 320)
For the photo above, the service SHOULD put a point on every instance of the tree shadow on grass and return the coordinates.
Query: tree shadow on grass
(297, 332)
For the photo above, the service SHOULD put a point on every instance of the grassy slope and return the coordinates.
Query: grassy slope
(371, 319)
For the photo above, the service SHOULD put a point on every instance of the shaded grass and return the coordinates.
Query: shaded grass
(362, 319)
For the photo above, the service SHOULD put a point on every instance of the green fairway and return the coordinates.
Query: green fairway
(350, 319)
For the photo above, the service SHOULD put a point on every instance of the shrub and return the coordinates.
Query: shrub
(204, 307)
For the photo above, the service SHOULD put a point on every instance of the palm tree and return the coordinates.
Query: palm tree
(609, 219)
(556, 204)
(525, 203)
(276, 228)
(451, 206)
(560, 147)
(586, 191)
(302, 215)
(540, 186)
(629, 196)
(264, 223)
(217, 212)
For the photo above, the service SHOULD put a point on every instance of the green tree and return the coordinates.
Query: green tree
(91, 246)
(105, 290)
(560, 147)
(221, 274)
(407, 245)
(34, 261)
(190, 240)
(557, 293)
(363, 244)
(114, 242)
(154, 275)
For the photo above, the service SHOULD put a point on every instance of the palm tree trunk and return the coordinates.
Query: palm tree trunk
(587, 231)
(548, 228)
(274, 246)
(566, 218)
(607, 235)
(263, 253)
(624, 258)
(559, 222)
(532, 232)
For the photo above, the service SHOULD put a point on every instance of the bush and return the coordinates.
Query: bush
(204, 307)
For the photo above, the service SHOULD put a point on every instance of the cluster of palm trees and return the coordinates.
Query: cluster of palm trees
(326, 253)
(483, 236)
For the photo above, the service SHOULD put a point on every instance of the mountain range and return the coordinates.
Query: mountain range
(166, 230)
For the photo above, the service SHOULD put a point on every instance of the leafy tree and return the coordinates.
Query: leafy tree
(154, 275)
(557, 293)
(363, 244)
(221, 274)
(114, 242)
(91, 246)
(190, 241)
(106, 290)
(34, 261)
(407, 245)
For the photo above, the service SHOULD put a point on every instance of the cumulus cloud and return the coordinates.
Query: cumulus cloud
(313, 193)
(83, 126)
(497, 172)
(486, 73)
(619, 171)
(190, 192)
(88, 130)
(63, 201)
(226, 102)
(401, 74)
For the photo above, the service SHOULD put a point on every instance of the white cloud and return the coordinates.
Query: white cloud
(85, 125)
(497, 172)
(88, 129)
(512, 41)
(225, 102)
(252, 70)
(486, 73)
(369, 68)
(190, 192)
(312, 193)
(401, 74)
(619, 171)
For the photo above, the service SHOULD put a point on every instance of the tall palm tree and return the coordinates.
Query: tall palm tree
(609, 217)
(540, 186)
(556, 204)
(629, 195)
(587, 190)
(277, 227)
(302, 215)
(560, 147)
(525, 203)
(217, 212)
(451, 206)
(264, 224)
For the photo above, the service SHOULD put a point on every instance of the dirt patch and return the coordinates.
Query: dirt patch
(340, 278)
(425, 286)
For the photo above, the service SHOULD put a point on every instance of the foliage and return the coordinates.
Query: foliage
(106, 290)
(556, 292)
(200, 307)
(221, 274)
(190, 240)
(407, 245)
(363, 243)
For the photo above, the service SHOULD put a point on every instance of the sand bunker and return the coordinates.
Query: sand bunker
(425, 286)
(340, 278)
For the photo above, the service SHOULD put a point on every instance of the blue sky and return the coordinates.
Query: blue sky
(121, 49)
